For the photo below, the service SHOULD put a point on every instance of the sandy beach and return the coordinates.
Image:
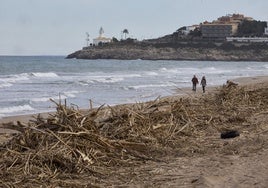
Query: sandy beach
(201, 158)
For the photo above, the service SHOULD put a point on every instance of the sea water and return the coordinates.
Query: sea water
(28, 83)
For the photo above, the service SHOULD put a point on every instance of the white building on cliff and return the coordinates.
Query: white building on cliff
(101, 39)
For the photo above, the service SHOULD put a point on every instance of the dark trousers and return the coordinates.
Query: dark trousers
(194, 87)
(203, 87)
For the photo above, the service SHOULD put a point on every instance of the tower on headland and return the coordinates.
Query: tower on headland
(87, 38)
(101, 39)
(101, 31)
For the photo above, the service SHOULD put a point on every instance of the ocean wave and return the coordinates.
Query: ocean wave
(16, 109)
(151, 73)
(85, 83)
(179, 70)
(71, 94)
(195, 71)
(151, 86)
(147, 95)
(44, 74)
(9, 80)
(64, 95)
(214, 70)
(3, 85)
(108, 80)
(14, 78)
(46, 99)
(41, 99)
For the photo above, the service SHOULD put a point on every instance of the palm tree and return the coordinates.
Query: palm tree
(125, 31)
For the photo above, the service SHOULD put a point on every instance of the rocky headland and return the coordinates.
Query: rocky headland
(169, 51)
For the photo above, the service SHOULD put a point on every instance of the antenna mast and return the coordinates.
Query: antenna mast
(87, 38)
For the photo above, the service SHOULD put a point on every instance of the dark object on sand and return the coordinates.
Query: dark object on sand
(230, 83)
(229, 134)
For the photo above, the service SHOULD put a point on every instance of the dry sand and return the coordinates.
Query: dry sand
(245, 166)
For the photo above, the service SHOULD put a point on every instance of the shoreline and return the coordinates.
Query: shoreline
(243, 81)
(251, 82)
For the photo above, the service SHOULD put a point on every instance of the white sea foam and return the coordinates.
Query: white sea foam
(15, 78)
(151, 86)
(109, 80)
(83, 83)
(130, 75)
(44, 74)
(71, 94)
(41, 99)
(213, 70)
(9, 80)
(64, 95)
(172, 71)
(179, 70)
(3, 85)
(150, 73)
(16, 109)
(147, 95)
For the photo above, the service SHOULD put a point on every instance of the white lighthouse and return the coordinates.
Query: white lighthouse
(101, 39)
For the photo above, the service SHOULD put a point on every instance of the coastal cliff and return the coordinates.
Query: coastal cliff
(224, 52)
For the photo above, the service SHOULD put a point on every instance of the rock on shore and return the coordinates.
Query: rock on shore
(151, 52)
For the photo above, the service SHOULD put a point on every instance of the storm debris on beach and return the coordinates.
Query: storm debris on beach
(101, 146)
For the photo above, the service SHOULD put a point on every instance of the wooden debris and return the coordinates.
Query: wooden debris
(71, 142)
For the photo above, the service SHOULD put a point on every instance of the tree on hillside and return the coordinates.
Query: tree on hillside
(196, 32)
(251, 28)
(115, 39)
(125, 32)
(181, 29)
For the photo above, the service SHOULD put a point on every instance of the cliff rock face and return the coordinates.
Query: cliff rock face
(129, 52)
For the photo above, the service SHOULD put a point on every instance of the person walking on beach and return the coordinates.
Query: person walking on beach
(194, 81)
(203, 83)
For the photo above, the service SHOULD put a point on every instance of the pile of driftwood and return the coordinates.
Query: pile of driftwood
(73, 143)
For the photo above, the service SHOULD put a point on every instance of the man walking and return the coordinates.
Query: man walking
(194, 81)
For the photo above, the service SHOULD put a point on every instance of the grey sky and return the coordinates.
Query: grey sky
(58, 27)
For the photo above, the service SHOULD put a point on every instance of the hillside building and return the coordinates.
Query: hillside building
(216, 30)
(225, 26)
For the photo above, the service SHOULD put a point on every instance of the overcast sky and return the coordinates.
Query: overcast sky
(58, 27)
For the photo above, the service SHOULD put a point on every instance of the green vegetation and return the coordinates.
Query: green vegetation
(115, 40)
(251, 28)
(196, 33)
